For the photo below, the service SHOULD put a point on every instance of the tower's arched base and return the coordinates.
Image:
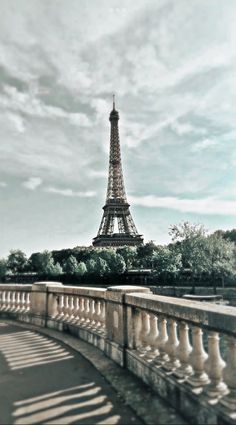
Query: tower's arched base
(117, 240)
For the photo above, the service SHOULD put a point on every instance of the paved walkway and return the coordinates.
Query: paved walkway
(44, 382)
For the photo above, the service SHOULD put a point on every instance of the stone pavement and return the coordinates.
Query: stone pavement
(42, 381)
(50, 377)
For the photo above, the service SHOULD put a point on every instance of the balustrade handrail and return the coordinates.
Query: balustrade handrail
(79, 290)
(206, 315)
(14, 287)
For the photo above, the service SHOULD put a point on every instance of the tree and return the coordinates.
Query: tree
(91, 266)
(3, 268)
(101, 267)
(230, 235)
(166, 262)
(129, 255)
(189, 241)
(43, 263)
(97, 266)
(70, 265)
(145, 253)
(118, 265)
(16, 261)
(56, 270)
(220, 257)
(81, 269)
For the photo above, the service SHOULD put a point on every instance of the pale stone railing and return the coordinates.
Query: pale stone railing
(160, 331)
(79, 306)
(15, 298)
(172, 344)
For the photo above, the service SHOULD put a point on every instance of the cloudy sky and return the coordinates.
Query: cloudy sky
(172, 65)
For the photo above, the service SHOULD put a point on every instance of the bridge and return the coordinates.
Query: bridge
(176, 356)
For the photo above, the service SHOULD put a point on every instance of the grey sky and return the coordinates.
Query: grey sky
(172, 66)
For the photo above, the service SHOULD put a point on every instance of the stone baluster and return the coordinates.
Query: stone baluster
(66, 307)
(76, 309)
(1, 300)
(70, 307)
(152, 337)
(103, 314)
(8, 300)
(91, 312)
(161, 341)
(144, 347)
(22, 302)
(197, 359)
(86, 311)
(4, 300)
(137, 329)
(17, 301)
(60, 306)
(229, 374)
(97, 313)
(171, 347)
(28, 301)
(81, 310)
(183, 352)
(214, 366)
(12, 299)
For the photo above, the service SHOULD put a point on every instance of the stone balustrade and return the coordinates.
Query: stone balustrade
(15, 298)
(184, 349)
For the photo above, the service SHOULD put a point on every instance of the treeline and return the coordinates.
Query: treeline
(193, 256)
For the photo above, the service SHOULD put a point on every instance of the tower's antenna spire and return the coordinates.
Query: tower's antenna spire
(113, 102)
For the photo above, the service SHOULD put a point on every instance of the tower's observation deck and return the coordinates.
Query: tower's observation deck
(116, 208)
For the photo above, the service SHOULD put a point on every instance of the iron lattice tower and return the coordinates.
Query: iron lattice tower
(116, 206)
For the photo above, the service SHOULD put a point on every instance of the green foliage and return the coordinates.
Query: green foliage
(70, 265)
(227, 234)
(220, 256)
(16, 261)
(186, 231)
(166, 261)
(80, 253)
(43, 263)
(129, 255)
(56, 270)
(3, 267)
(81, 269)
(118, 265)
(145, 254)
(192, 254)
(97, 266)
(91, 266)
(115, 262)
(189, 242)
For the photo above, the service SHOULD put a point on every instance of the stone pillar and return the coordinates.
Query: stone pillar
(42, 303)
(116, 321)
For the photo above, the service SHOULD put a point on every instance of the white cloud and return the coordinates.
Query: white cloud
(29, 104)
(209, 206)
(32, 183)
(18, 121)
(203, 144)
(3, 184)
(98, 173)
(185, 128)
(70, 192)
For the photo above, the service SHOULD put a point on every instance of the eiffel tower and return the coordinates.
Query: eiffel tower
(116, 208)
